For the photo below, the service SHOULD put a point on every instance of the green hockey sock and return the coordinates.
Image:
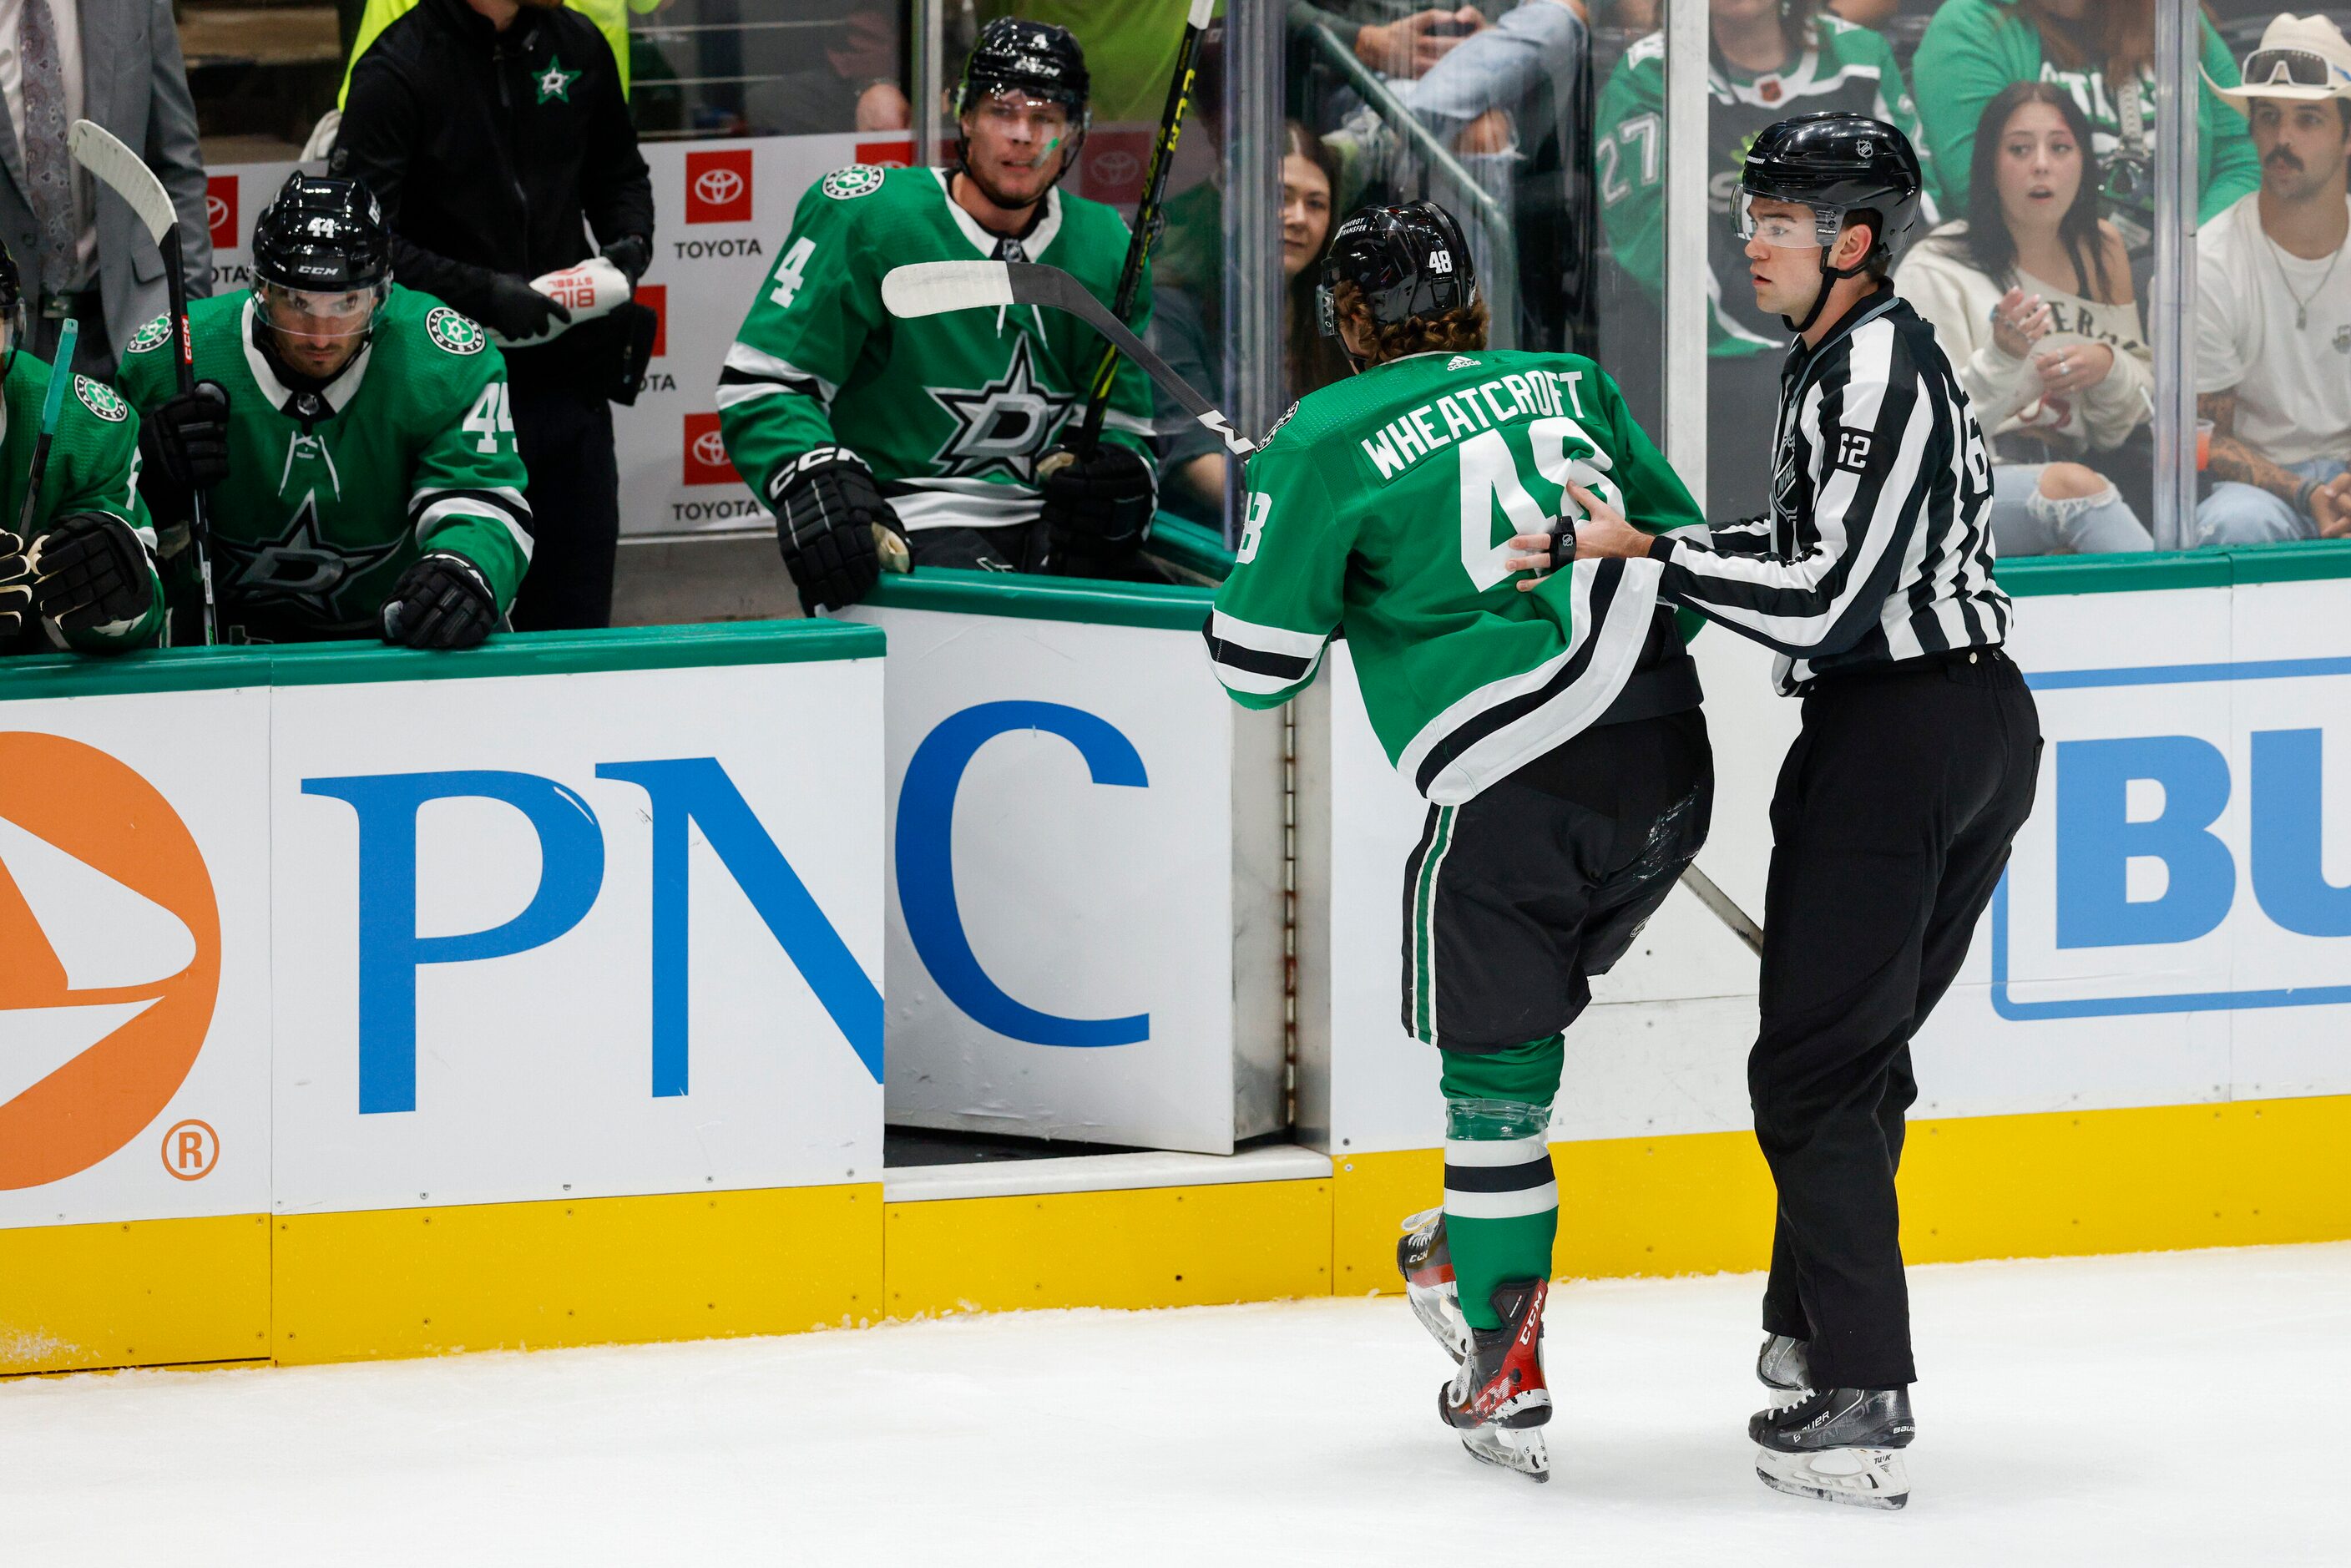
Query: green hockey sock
(1501, 1201)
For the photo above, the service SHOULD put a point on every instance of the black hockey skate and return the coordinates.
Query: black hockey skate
(1498, 1400)
(1838, 1445)
(1427, 1265)
(1784, 1366)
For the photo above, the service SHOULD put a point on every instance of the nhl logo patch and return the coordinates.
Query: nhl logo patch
(150, 337)
(857, 180)
(457, 334)
(101, 399)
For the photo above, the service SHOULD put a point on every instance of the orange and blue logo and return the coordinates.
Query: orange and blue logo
(110, 956)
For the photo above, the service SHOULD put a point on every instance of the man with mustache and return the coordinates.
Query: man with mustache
(2274, 317)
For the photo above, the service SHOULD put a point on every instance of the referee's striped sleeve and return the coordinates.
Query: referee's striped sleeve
(1871, 481)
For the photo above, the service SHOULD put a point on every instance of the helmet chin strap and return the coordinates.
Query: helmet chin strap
(1829, 277)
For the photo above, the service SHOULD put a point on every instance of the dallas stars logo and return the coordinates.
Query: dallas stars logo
(555, 81)
(101, 399)
(150, 337)
(297, 569)
(457, 334)
(1001, 427)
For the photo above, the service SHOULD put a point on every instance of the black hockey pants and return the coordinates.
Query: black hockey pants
(1890, 829)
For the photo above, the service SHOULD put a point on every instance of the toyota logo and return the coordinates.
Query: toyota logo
(710, 449)
(215, 211)
(1117, 168)
(718, 186)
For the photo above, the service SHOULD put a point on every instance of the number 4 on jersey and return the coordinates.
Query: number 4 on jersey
(790, 272)
(493, 416)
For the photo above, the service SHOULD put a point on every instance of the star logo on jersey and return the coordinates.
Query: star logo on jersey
(555, 81)
(101, 399)
(299, 568)
(457, 334)
(1001, 427)
(848, 185)
(150, 337)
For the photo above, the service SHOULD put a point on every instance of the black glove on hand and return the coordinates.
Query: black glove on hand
(515, 310)
(1099, 506)
(90, 574)
(631, 254)
(186, 438)
(15, 587)
(442, 601)
(826, 505)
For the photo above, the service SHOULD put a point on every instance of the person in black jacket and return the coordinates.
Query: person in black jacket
(496, 134)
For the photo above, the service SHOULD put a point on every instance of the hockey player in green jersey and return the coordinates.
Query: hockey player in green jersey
(353, 437)
(841, 417)
(1556, 733)
(80, 577)
(1766, 59)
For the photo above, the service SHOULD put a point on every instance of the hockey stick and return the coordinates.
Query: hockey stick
(932, 287)
(52, 401)
(119, 169)
(1147, 218)
(1724, 907)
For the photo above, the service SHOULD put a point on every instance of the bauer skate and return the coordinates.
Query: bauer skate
(1427, 1265)
(1784, 1366)
(1498, 1400)
(1839, 1445)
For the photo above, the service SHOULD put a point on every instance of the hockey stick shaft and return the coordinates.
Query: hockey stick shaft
(1725, 908)
(52, 403)
(1147, 214)
(200, 529)
(929, 288)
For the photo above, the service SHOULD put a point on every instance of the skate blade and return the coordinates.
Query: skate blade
(1439, 1312)
(1514, 1448)
(1858, 1478)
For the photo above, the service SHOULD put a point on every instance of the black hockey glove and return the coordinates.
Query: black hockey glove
(442, 601)
(186, 439)
(631, 254)
(91, 575)
(1097, 509)
(517, 311)
(16, 587)
(826, 505)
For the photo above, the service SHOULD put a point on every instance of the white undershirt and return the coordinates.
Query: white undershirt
(2293, 384)
(66, 15)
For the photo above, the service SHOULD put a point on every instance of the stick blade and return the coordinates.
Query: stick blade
(931, 288)
(113, 164)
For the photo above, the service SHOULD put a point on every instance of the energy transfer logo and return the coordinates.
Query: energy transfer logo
(112, 943)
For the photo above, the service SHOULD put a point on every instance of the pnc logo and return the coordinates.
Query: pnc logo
(718, 186)
(112, 942)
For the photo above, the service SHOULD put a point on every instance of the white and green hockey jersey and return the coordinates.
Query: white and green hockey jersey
(950, 411)
(332, 495)
(1379, 510)
(1847, 69)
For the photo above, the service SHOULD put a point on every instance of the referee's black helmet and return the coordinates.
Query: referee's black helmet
(1840, 163)
(1407, 260)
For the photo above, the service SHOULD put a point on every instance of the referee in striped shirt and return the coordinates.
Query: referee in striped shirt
(1872, 579)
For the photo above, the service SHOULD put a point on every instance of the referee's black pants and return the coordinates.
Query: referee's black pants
(565, 435)
(1890, 830)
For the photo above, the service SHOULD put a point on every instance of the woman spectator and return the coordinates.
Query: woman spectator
(2030, 296)
(1187, 316)
(2102, 52)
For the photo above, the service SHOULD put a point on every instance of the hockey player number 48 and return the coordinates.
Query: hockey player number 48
(1489, 477)
(492, 417)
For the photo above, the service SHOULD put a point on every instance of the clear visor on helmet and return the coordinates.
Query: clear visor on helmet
(320, 313)
(1786, 226)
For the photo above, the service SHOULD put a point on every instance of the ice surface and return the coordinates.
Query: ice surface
(2173, 1408)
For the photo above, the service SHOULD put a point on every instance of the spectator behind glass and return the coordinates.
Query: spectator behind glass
(2274, 307)
(2102, 52)
(1187, 310)
(856, 88)
(1767, 60)
(2030, 296)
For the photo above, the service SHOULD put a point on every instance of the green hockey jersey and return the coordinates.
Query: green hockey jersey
(331, 496)
(1380, 508)
(950, 411)
(93, 467)
(1848, 68)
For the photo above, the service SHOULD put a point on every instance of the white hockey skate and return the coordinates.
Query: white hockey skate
(1426, 1265)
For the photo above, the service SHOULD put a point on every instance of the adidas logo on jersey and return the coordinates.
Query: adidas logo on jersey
(1460, 363)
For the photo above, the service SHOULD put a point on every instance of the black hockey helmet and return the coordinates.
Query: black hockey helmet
(1836, 164)
(1034, 58)
(321, 232)
(1407, 260)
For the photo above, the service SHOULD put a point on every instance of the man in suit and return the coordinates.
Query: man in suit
(83, 253)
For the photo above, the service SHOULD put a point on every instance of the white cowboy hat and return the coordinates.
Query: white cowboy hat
(2300, 58)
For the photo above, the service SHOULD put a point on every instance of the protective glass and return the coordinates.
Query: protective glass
(1783, 229)
(320, 313)
(2293, 67)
